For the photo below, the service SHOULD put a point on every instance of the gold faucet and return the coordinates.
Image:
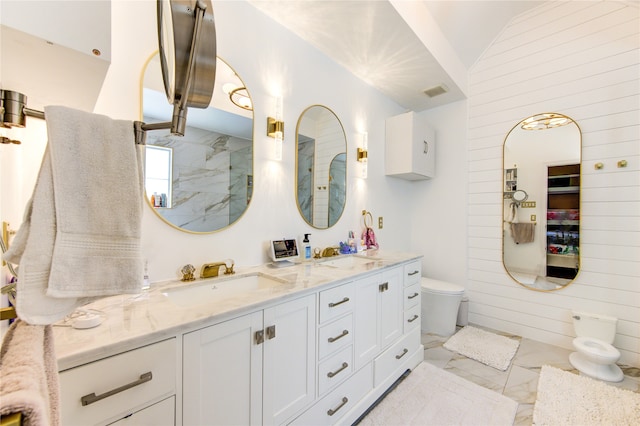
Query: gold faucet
(213, 269)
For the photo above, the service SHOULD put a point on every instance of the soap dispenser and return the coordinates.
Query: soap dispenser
(306, 244)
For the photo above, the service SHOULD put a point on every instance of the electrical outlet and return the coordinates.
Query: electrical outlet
(380, 222)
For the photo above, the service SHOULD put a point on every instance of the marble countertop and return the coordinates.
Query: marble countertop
(132, 321)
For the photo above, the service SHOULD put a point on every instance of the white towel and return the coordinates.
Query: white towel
(29, 372)
(81, 235)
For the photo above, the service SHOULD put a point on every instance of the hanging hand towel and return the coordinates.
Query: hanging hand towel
(29, 372)
(369, 238)
(81, 235)
(523, 232)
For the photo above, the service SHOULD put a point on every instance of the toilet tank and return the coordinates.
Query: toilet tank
(601, 327)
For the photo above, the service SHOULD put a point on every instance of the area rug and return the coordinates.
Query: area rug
(432, 396)
(565, 398)
(483, 346)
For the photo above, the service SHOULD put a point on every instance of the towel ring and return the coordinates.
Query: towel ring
(519, 196)
(365, 214)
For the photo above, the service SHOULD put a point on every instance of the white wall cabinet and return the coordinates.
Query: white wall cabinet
(409, 148)
(255, 369)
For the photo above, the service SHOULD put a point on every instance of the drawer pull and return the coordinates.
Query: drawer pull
(333, 305)
(413, 273)
(331, 412)
(271, 332)
(383, 287)
(404, 352)
(333, 339)
(413, 296)
(415, 317)
(333, 373)
(91, 398)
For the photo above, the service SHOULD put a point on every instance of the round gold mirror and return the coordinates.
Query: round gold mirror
(201, 182)
(321, 171)
(541, 208)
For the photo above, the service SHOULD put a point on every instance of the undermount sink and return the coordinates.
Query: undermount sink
(212, 290)
(348, 261)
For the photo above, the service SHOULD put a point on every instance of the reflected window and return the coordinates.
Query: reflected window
(158, 175)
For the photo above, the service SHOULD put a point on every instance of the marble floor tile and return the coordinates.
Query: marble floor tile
(524, 415)
(534, 355)
(438, 356)
(522, 385)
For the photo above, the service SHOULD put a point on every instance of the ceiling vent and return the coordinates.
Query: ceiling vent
(435, 91)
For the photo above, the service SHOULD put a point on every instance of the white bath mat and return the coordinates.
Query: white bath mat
(565, 398)
(432, 396)
(483, 346)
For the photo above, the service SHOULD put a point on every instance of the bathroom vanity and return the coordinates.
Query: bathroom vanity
(314, 343)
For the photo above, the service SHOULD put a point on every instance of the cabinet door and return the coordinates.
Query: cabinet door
(289, 358)
(222, 374)
(367, 321)
(391, 307)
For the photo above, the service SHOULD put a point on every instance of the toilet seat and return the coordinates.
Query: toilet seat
(596, 348)
(441, 287)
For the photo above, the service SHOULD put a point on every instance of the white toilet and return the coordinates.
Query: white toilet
(595, 356)
(440, 303)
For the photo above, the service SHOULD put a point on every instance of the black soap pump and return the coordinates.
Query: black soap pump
(307, 247)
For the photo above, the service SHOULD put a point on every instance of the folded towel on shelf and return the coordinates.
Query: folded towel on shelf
(29, 372)
(523, 232)
(81, 235)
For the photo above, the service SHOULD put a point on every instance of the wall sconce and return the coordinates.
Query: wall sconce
(275, 128)
(362, 155)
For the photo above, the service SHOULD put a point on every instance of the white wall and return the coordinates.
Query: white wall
(270, 60)
(581, 59)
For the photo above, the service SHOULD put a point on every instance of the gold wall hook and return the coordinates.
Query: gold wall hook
(622, 163)
(598, 166)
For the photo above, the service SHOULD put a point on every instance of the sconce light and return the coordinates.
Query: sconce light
(275, 128)
(240, 98)
(362, 154)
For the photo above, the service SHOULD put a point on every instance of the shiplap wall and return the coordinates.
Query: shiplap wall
(581, 59)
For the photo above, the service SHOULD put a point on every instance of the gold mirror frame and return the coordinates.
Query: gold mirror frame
(309, 179)
(542, 157)
(239, 129)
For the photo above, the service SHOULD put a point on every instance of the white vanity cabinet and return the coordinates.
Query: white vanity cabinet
(378, 314)
(138, 384)
(255, 369)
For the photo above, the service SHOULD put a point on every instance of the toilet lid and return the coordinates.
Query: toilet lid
(442, 287)
(595, 346)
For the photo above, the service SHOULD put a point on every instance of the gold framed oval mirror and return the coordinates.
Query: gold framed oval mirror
(541, 208)
(201, 182)
(321, 169)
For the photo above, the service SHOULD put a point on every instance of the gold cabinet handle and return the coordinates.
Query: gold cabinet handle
(91, 398)
(333, 373)
(404, 352)
(333, 305)
(414, 295)
(331, 412)
(333, 339)
(415, 317)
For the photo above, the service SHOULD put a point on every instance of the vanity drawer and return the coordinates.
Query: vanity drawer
(394, 357)
(412, 272)
(335, 369)
(411, 319)
(336, 301)
(339, 401)
(162, 413)
(335, 335)
(411, 296)
(120, 384)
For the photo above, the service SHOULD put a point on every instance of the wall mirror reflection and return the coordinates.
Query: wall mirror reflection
(541, 208)
(321, 184)
(203, 181)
